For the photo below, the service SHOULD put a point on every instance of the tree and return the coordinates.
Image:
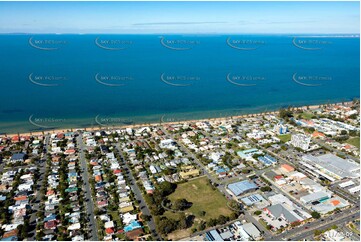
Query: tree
(181, 204)
(234, 215)
(295, 224)
(182, 222)
(166, 225)
(258, 212)
(266, 189)
(145, 217)
(353, 133)
(285, 114)
(167, 188)
(20, 232)
(245, 171)
(315, 215)
(169, 152)
(235, 205)
(202, 226)
(317, 232)
(222, 219)
(212, 222)
(39, 235)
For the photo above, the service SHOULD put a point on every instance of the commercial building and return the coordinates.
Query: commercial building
(354, 189)
(283, 211)
(241, 187)
(267, 160)
(330, 165)
(316, 197)
(287, 168)
(252, 199)
(213, 235)
(247, 154)
(252, 230)
(301, 141)
(280, 129)
(346, 184)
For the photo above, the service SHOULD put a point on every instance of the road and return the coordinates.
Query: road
(300, 232)
(334, 188)
(36, 205)
(190, 154)
(88, 194)
(321, 143)
(342, 193)
(334, 185)
(293, 199)
(220, 187)
(318, 223)
(138, 195)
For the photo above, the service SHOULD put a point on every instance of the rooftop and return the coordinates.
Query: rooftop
(340, 167)
(238, 188)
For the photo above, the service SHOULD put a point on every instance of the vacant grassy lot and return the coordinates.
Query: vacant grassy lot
(354, 141)
(284, 137)
(203, 197)
(306, 115)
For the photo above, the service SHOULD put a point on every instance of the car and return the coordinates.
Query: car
(306, 227)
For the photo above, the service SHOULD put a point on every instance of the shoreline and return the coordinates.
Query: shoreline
(50, 131)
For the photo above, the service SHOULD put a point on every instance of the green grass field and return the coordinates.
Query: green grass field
(354, 141)
(307, 115)
(203, 197)
(284, 137)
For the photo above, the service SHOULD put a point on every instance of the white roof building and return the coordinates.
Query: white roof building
(109, 224)
(301, 141)
(127, 218)
(251, 230)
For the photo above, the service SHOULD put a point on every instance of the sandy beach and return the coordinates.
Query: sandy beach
(39, 133)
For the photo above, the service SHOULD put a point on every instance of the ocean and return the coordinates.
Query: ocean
(74, 81)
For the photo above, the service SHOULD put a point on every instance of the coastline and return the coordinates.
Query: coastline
(50, 131)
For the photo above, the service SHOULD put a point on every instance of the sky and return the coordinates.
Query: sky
(180, 17)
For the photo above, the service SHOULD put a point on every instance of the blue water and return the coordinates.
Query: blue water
(194, 66)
